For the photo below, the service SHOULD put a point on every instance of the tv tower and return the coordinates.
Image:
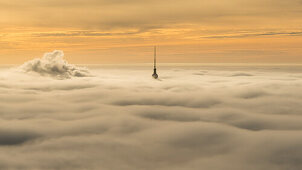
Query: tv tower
(154, 75)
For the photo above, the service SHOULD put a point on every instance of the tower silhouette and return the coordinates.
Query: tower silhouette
(154, 75)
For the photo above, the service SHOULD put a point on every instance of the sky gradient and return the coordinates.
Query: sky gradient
(120, 31)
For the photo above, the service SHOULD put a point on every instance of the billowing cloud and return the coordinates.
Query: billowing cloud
(196, 117)
(53, 64)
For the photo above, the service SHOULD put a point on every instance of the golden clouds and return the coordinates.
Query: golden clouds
(93, 26)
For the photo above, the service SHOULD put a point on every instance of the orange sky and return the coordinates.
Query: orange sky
(124, 31)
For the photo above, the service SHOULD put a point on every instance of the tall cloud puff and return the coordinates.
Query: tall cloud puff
(52, 64)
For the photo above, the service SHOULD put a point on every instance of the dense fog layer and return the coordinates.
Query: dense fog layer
(192, 118)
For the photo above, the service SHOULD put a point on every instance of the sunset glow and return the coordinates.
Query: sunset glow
(118, 31)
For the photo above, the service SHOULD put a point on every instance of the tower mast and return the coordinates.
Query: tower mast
(154, 75)
(154, 57)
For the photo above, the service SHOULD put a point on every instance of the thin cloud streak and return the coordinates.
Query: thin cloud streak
(247, 35)
(83, 34)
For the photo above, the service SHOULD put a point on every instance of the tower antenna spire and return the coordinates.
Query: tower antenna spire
(155, 57)
(154, 75)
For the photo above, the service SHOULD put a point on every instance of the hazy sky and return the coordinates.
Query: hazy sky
(124, 31)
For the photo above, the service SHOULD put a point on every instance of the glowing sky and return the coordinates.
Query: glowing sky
(124, 31)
